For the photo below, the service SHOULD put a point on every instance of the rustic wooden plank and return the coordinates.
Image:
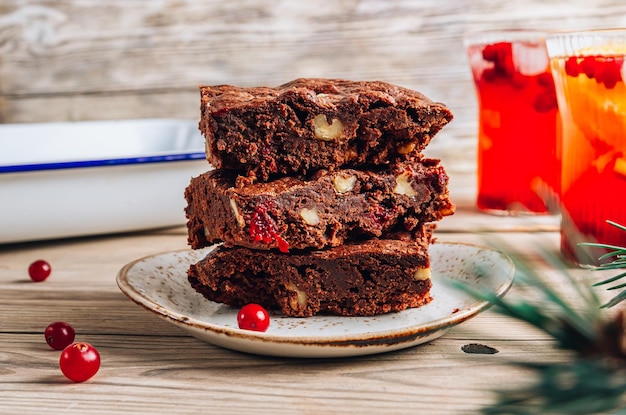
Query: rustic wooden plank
(80, 262)
(87, 59)
(168, 104)
(107, 311)
(94, 46)
(140, 375)
(66, 50)
(82, 288)
(150, 366)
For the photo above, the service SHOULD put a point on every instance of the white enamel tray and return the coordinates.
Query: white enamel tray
(159, 284)
(94, 177)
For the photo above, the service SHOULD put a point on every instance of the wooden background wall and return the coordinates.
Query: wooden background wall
(63, 60)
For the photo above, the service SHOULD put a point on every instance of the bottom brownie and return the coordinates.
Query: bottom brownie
(362, 279)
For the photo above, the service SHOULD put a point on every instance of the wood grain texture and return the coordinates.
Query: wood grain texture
(88, 59)
(66, 60)
(218, 381)
(151, 367)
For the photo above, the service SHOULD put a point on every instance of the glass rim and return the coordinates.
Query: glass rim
(585, 42)
(481, 37)
(586, 32)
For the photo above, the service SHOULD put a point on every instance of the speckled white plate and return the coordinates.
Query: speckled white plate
(159, 284)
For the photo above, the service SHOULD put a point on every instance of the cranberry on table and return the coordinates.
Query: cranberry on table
(59, 335)
(79, 362)
(39, 270)
(253, 317)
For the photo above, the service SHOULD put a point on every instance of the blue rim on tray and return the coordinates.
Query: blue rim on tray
(16, 168)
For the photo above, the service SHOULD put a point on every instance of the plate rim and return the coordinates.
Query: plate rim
(380, 338)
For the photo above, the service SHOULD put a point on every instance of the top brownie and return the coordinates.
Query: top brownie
(309, 124)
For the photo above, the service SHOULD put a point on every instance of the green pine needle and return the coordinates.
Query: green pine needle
(585, 386)
(617, 287)
(619, 253)
(615, 300)
(610, 280)
(594, 381)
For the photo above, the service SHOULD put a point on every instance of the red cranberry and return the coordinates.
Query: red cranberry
(545, 101)
(263, 229)
(572, 68)
(489, 75)
(501, 55)
(507, 66)
(253, 317)
(545, 80)
(490, 52)
(381, 215)
(59, 335)
(519, 81)
(605, 70)
(588, 66)
(608, 72)
(39, 270)
(497, 52)
(79, 362)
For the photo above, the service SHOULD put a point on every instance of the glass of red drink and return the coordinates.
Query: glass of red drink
(518, 153)
(589, 72)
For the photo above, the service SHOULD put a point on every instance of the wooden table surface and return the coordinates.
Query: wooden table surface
(87, 59)
(150, 366)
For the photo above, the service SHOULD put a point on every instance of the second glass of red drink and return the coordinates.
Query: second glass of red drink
(518, 138)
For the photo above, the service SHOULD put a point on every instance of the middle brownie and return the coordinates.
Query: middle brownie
(325, 210)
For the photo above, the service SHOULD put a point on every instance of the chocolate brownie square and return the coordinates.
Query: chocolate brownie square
(310, 124)
(326, 210)
(357, 279)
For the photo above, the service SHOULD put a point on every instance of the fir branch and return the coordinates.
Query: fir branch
(617, 252)
(615, 300)
(585, 386)
(594, 380)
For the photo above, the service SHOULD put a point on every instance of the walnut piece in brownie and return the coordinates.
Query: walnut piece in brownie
(310, 124)
(363, 279)
(326, 210)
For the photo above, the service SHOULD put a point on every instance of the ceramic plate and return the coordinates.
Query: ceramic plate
(159, 284)
(92, 177)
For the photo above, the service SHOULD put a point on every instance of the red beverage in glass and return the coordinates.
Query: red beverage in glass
(518, 157)
(590, 73)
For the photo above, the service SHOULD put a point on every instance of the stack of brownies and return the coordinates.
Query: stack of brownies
(321, 200)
